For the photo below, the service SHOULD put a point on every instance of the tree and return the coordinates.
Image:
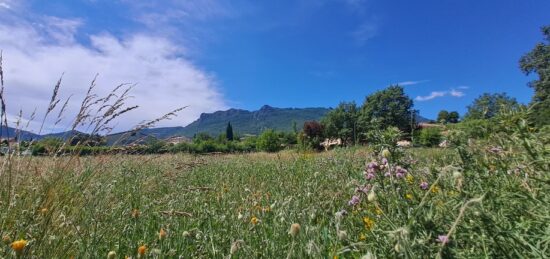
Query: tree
(311, 135)
(269, 141)
(443, 116)
(538, 61)
(342, 122)
(229, 132)
(453, 117)
(487, 106)
(389, 107)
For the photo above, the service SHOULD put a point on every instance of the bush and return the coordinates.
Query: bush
(429, 137)
(269, 141)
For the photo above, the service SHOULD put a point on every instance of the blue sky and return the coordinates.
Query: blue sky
(300, 53)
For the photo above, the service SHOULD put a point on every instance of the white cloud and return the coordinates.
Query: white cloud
(436, 94)
(36, 55)
(5, 5)
(408, 83)
(432, 96)
(456, 93)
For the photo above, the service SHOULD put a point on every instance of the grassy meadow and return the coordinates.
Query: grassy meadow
(475, 200)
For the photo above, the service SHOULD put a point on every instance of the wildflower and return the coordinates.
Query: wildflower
(342, 235)
(435, 189)
(399, 175)
(44, 210)
(362, 237)
(443, 239)
(111, 255)
(397, 247)
(378, 211)
(369, 176)
(372, 196)
(18, 246)
(135, 213)
(365, 189)
(142, 250)
(294, 229)
(354, 200)
(410, 179)
(372, 165)
(162, 234)
(424, 185)
(384, 161)
(254, 220)
(369, 223)
(386, 153)
(387, 174)
(409, 196)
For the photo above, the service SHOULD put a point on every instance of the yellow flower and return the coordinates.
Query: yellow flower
(362, 237)
(254, 220)
(369, 223)
(162, 234)
(19, 245)
(435, 189)
(142, 250)
(378, 211)
(410, 179)
(409, 196)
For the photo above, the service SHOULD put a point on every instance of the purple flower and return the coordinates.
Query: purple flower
(399, 175)
(354, 200)
(400, 170)
(365, 189)
(443, 239)
(369, 176)
(384, 161)
(424, 185)
(372, 165)
(387, 174)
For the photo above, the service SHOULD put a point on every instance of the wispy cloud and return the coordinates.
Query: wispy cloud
(5, 5)
(431, 96)
(408, 83)
(437, 94)
(366, 31)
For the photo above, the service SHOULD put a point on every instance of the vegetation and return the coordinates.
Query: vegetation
(488, 106)
(538, 61)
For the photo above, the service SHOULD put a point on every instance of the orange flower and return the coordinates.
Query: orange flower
(162, 234)
(142, 250)
(19, 245)
(254, 220)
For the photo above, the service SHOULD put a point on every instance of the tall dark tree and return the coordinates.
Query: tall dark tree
(487, 106)
(453, 117)
(538, 61)
(443, 116)
(342, 122)
(229, 132)
(385, 108)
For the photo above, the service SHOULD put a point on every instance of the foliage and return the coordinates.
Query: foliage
(429, 137)
(229, 132)
(342, 123)
(443, 116)
(538, 61)
(269, 141)
(453, 117)
(487, 106)
(385, 108)
(311, 136)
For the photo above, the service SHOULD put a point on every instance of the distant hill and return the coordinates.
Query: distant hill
(21, 134)
(253, 122)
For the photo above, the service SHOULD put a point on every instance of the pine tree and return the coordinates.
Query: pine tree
(229, 132)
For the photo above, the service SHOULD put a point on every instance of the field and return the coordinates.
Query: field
(470, 201)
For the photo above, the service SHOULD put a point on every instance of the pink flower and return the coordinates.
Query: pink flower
(369, 176)
(443, 239)
(399, 175)
(354, 200)
(424, 185)
(387, 174)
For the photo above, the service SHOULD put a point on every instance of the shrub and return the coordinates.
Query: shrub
(429, 137)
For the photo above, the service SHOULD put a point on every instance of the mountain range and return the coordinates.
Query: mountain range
(243, 122)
